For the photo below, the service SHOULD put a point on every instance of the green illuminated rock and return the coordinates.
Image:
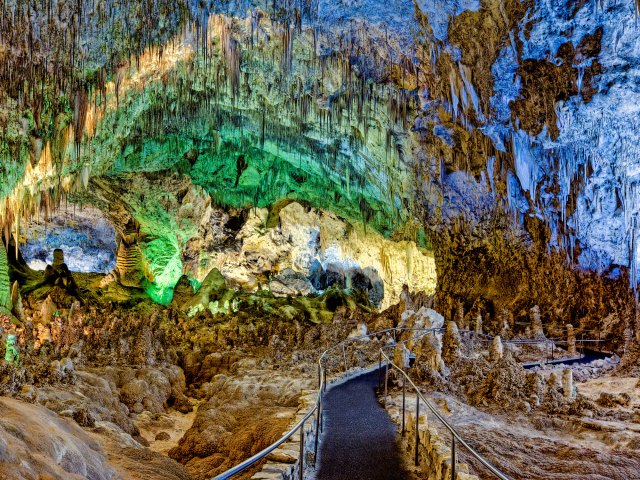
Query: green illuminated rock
(5, 285)
(12, 353)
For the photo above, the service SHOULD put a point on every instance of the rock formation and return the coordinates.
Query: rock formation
(451, 343)
(568, 386)
(497, 349)
(536, 323)
(571, 340)
(478, 323)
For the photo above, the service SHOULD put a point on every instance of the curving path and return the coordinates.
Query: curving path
(359, 439)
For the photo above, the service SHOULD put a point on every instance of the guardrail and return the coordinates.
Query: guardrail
(316, 410)
(553, 343)
(455, 436)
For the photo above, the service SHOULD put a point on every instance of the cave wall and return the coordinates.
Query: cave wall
(527, 159)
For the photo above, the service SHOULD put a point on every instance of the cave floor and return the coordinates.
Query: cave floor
(540, 446)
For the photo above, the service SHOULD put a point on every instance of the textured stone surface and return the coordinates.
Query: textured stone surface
(84, 234)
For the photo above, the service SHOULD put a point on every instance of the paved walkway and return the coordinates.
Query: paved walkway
(359, 440)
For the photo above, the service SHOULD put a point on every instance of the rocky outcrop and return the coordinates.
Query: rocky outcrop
(64, 451)
(242, 414)
(61, 450)
(274, 248)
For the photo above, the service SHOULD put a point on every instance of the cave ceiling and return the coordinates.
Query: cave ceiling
(390, 114)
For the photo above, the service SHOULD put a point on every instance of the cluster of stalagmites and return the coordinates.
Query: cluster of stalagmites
(481, 367)
(55, 334)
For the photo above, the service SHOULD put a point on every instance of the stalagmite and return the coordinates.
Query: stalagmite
(58, 259)
(497, 350)
(535, 388)
(405, 299)
(129, 263)
(571, 340)
(43, 336)
(536, 323)
(508, 322)
(628, 339)
(451, 342)
(47, 310)
(401, 355)
(568, 387)
(478, 324)
(459, 319)
(12, 352)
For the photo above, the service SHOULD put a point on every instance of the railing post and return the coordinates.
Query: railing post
(453, 457)
(319, 375)
(404, 402)
(417, 427)
(301, 469)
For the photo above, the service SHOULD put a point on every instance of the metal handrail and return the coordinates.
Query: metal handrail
(317, 408)
(455, 435)
(298, 426)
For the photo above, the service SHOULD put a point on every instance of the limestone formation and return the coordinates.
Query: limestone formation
(478, 323)
(459, 315)
(451, 342)
(405, 299)
(536, 323)
(428, 351)
(568, 387)
(290, 283)
(47, 310)
(401, 356)
(5, 285)
(571, 340)
(497, 349)
(128, 269)
(58, 259)
(535, 387)
(507, 322)
(16, 302)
